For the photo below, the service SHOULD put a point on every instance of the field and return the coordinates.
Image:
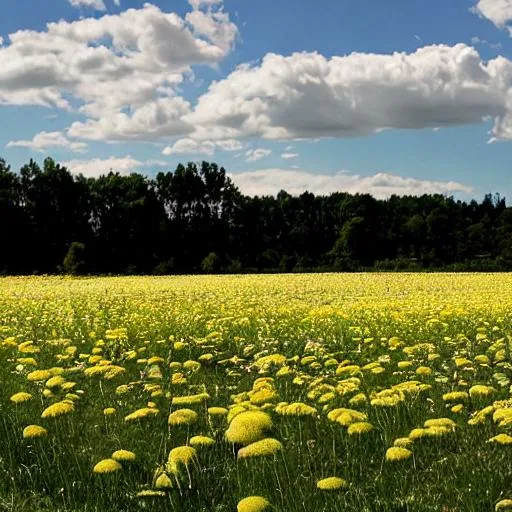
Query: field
(193, 393)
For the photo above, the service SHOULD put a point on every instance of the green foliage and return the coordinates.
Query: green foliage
(210, 264)
(74, 262)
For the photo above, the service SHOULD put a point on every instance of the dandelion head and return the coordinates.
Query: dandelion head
(201, 441)
(109, 411)
(503, 505)
(183, 417)
(397, 453)
(163, 482)
(124, 456)
(359, 428)
(58, 409)
(253, 504)
(261, 448)
(107, 466)
(331, 484)
(34, 431)
(21, 397)
(503, 439)
(248, 427)
(182, 455)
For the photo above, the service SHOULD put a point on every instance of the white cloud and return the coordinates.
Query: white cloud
(289, 156)
(121, 70)
(98, 166)
(257, 154)
(497, 11)
(189, 147)
(380, 185)
(93, 4)
(44, 140)
(493, 46)
(309, 96)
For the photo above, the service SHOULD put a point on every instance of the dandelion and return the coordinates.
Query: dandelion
(296, 409)
(20, 397)
(440, 422)
(182, 455)
(397, 453)
(253, 504)
(456, 396)
(55, 382)
(457, 408)
(359, 428)
(39, 375)
(424, 371)
(481, 391)
(503, 505)
(217, 411)
(503, 439)
(346, 417)
(109, 411)
(183, 417)
(149, 493)
(107, 466)
(190, 400)
(331, 484)
(261, 448)
(248, 427)
(34, 431)
(201, 441)
(403, 442)
(124, 456)
(141, 413)
(163, 482)
(58, 409)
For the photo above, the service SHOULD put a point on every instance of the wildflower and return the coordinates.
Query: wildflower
(163, 482)
(182, 455)
(191, 399)
(455, 396)
(124, 455)
(480, 391)
(58, 409)
(21, 397)
(34, 431)
(39, 375)
(403, 442)
(55, 382)
(424, 371)
(183, 417)
(332, 483)
(440, 422)
(503, 439)
(141, 413)
(457, 408)
(248, 427)
(201, 441)
(397, 453)
(503, 505)
(358, 399)
(253, 504)
(345, 417)
(359, 428)
(107, 466)
(296, 409)
(149, 493)
(109, 411)
(192, 366)
(261, 448)
(217, 411)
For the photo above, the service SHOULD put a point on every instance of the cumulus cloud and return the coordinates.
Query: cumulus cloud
(190, 147)
(380, 185)
(306, 95)
(257, 154)
(97, 166)
(497, 11)
(122, 70)
(44, 140)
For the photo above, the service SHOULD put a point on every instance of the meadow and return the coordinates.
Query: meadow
(329, 392)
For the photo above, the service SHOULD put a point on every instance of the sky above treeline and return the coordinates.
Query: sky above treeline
(402, 97)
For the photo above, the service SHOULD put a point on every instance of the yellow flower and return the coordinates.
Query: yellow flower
(261, 448)
(217, 411)
(296, 409)
(248, 427)
(457, 408)
(124, 455)
(141, 413)
(503, 505)
(201, 441)
(163, 482)
(455, 396)
(39, 375)
(183, 417)
(332, 483)
(191, 399)
(149, 493)
(403, 442)
(424, 371)
(440, 422)
(253, 504)
(58, 409)
(107, 466)
(360, 427)
(34, 431)
(21, 397)
(182, 455)
(55, 382)
(397, 453)
(109, 411)
(480, 391)
(503, 439)
(346, 417)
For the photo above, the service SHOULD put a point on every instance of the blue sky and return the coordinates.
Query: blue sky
(365, 96)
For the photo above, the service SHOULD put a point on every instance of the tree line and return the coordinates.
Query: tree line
(195, 219)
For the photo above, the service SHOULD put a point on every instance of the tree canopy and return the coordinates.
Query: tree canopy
(195, 219)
